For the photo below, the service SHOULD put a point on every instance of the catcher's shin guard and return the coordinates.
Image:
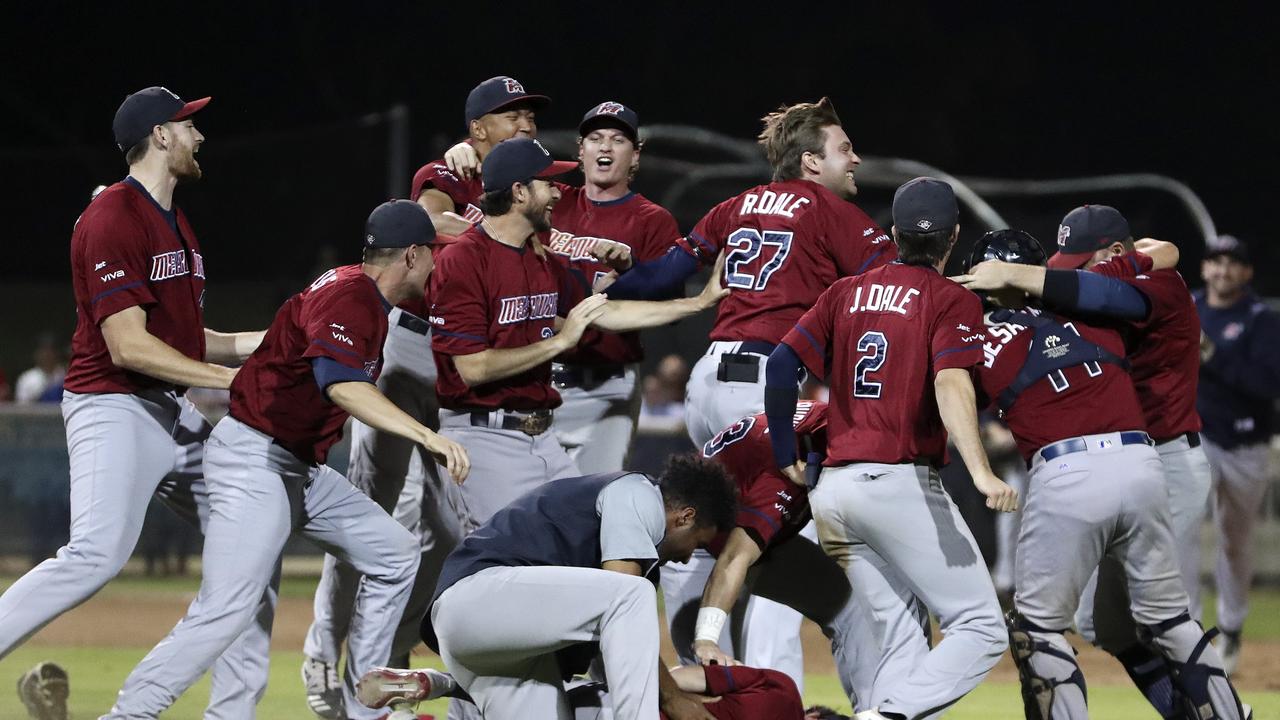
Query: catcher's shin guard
(1044, 670)
(1204, 691)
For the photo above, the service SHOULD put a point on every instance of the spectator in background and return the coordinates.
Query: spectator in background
(1239, 381)
(662, 402)
(48, 371)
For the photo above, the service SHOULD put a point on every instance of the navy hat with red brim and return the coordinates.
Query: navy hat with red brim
(148, 108)
(519, 160)
(1085, 231)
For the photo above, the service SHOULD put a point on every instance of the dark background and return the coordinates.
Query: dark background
(1008, 91)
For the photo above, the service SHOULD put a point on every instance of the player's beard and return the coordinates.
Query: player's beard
(184, 167)
(538, 217)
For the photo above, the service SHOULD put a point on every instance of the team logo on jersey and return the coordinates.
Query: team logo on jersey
(116, 275)
(100, 265)
(174, 264)
(520, 308)
(924, 225)
(963, 328)
(1064, 232)
(513, 86)
(576, 247)
(370, 368)
(609, 108)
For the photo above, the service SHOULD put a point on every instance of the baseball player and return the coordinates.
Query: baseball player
(572, 562)
(786, 242)
(139, 277)
(498, 305)
(765, 553)
(1134, 284)
(900, 341)
(1096, 489)
(266, 476)
(497, 109)
(1239, 381)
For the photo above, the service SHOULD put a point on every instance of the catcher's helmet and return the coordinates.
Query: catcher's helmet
(1011, 246)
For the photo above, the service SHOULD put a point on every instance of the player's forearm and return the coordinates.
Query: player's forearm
(1027, 278)
(1164, 255)
(958, 409)
(148, 355)
(230, 348)
(624, 315)
(781, 393)
(368, 405)
(439, 207)
(498, 363)
(730, 571)
(655, 279)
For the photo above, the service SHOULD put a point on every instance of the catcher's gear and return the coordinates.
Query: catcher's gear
(1011, 246)
(1039, 689)
(1194, 678)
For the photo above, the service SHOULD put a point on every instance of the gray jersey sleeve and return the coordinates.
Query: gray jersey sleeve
(632, 519)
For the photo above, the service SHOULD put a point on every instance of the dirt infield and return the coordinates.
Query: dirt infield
(142, 619)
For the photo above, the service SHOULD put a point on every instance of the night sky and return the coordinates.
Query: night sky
(1013, 92)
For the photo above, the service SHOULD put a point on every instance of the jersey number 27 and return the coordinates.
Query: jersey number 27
(747, 244)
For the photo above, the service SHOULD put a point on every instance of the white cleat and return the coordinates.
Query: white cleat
(383, 686)
(872, 714)
(324, 689)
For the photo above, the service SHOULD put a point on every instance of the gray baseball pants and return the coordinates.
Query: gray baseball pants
(402, 479)
(1103, 616)
(595, 424)
(1240, 477)
(901, 542)
(1108, 501)
(500, 628)
(123, 449)
(259, 494)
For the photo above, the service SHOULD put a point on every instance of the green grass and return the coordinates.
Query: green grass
(98, 672)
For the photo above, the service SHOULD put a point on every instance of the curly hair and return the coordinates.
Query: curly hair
(692, 481)
(791, 131)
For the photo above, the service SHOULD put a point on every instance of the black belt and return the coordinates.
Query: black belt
(1075, 445)
(532, 424)
(743, 365)
(1193, 439)
(413, 323)
(585, 375)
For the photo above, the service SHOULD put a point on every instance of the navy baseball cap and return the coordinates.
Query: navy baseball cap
(1228, 245)
(1085, 231)
(925, 205)
(498, 92)
(519, 160)
(611, 114)
(398, 224)
(146, 109)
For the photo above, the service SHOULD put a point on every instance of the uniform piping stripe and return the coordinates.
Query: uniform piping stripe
(766, 518)
(112, 291)
(331, 346)
(970, 346)
(812, 341)
(869, 260)
(464, 336)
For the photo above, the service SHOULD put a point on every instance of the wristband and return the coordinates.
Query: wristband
(710, 622)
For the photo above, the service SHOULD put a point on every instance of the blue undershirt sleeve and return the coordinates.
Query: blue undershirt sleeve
(329, 371)
(658, 279)
(1090, 292)
(780, 395)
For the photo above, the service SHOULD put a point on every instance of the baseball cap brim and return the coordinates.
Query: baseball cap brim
(191, 108)
(557, 167)
(539, 102)
(1068, 261)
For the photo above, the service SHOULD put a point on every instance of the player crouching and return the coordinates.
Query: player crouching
(1096, 488)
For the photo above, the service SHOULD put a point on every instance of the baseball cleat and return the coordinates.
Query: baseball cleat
(324, 689)
(44, 690)
(383, 686)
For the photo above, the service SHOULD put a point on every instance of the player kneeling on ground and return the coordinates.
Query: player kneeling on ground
(572, 562)
(1096, 489)
(266, 479)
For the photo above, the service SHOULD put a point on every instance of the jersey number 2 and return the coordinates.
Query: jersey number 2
(873, 345)
(747, 244)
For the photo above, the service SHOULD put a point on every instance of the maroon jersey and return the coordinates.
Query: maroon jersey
(125, 253)
(490, 295)
(342, 317)
(1080, 400)
(786, 242)
(577, 223)
(748, 693)
(770, 507)
(464, 193)
(884, 335)
(1165, 351)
